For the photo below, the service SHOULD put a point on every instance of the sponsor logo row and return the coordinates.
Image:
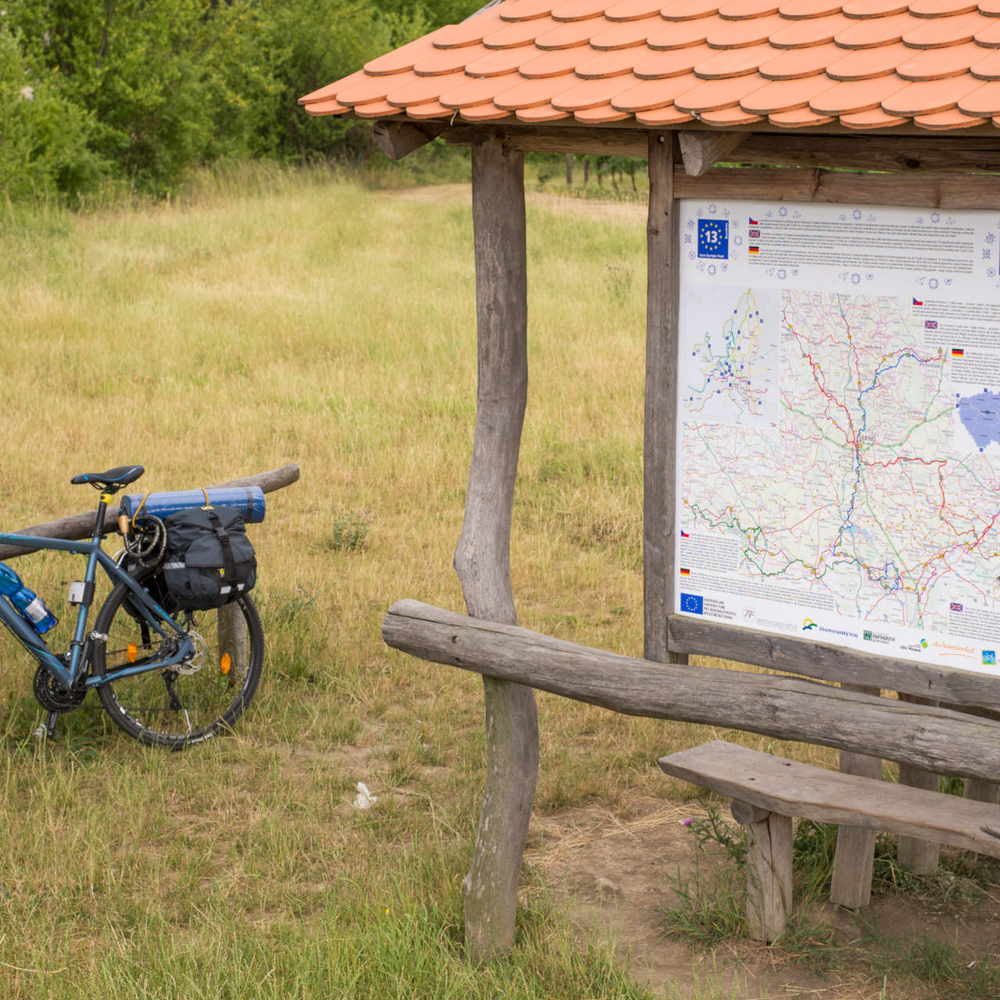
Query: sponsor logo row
(696, 604)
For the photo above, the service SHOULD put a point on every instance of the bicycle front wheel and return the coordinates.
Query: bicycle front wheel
(194, 700)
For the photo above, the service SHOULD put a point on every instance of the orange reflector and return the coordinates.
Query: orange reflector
(225, 663)
(132, 653)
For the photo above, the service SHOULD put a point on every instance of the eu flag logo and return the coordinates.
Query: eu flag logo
(713, 238)
(692, 604)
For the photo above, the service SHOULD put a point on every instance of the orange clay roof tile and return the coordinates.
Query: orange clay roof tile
(663, 116)
(660, 65)
(856, 95)
(631, 10)
(526, 10)
(729, 117)
(426, 89)
(680, 34)
(939, 64)
(375, 109)
(556, 62)
(794, 64)
(812, 31)
(948, 120)
(622, 34)
(742, 62)
(802, 9)
(687, 10)
(875, 118)
(800, 118)
(989, 34)
(542, 113)
(867, 64)
(611, 63)
(869, 33)
(930, 96)
(875, 8)
(987, 67)
(941, 8)
(713, 95)
(600, 115)
(583, 94)
(534, 93)
(469, 91)
(784, 95)
(652, 94)
(488, 112)
(736, 10)
(579, 10)
(433, 109)
(327, 107)
(984, 102)
(468, 32)
(737, 34)
(564, 36)
(933, 32)
(437, 61)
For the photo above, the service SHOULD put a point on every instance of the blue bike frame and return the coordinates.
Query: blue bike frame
(67, 674)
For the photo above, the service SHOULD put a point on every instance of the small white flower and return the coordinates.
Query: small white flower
(364, 799)
(28, 93)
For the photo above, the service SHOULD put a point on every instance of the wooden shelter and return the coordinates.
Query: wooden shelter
(864, 102)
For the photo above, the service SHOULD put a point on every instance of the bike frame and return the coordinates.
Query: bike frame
(78, 655)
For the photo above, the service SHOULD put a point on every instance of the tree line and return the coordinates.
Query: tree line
(141, 91)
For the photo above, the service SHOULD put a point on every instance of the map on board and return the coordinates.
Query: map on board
(839, 430)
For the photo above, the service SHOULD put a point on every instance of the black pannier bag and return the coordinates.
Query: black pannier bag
(208, 560)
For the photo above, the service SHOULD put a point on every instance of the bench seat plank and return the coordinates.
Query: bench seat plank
(793, 789)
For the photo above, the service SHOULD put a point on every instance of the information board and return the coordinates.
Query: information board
(838, 470)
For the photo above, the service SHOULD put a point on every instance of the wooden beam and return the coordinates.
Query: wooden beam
(397, 139)
(831, 663)
(82, 525)
(938, 190)
(920, 855)
(660, 436)
(702, 150)
(908, 154)
(782, 707)
(482, 557)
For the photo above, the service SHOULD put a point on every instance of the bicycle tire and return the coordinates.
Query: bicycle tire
(180, 706)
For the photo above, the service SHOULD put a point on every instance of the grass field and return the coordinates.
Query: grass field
(305, 318)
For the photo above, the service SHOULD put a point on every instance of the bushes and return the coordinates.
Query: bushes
(142, 92)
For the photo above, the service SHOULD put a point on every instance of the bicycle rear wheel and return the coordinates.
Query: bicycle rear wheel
(193, 701)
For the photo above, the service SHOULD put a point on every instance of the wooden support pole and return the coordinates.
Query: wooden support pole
(787, 708)
(482, 558)
(920, 856)
(854, 857)
(769, 873)
(978, 790)
(660, 442)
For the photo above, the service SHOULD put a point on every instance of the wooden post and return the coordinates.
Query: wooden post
(769, 869)
(854, 858)
(920, 856)
(660, 444)
(233, 640)
(482, 558)
(978, 790)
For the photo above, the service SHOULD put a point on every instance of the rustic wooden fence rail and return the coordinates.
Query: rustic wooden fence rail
(82, 525)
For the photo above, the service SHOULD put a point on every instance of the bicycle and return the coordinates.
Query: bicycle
(167, 681)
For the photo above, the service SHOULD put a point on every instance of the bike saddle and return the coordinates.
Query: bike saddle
(112, 480)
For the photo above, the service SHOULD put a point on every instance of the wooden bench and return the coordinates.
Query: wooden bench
(767, 791)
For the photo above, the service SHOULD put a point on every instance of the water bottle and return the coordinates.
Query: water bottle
(27, 602)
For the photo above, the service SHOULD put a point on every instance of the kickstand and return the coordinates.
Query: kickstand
(50, 724)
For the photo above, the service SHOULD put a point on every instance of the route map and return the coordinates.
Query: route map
(839, 444)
